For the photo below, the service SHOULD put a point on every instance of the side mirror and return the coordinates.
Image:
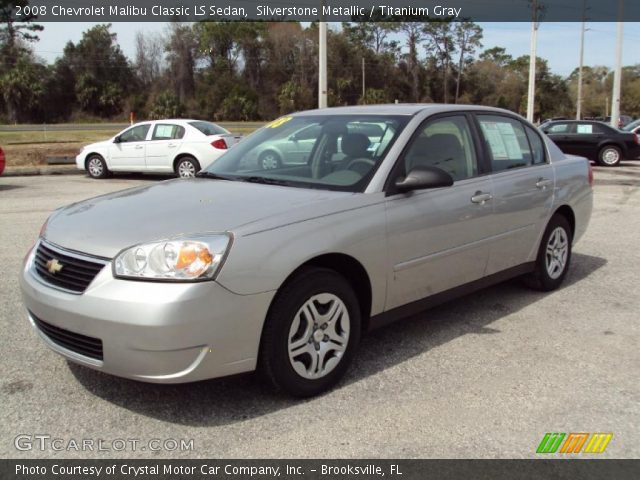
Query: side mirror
(421, 178)
(293, 138)
(117, 139)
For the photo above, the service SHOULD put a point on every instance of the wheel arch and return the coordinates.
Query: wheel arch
(95, 152)
(567, 212)
(182, 155)
(352, 270)
(612, 143)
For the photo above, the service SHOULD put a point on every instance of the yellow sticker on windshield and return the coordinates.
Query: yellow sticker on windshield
(280, 121)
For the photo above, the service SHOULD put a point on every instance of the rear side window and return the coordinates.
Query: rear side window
(588, 128)
(208, 128)
(506, 142)
(537, 146)
(167, 132)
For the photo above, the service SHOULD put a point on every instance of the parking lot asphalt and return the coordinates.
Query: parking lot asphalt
(482, 377)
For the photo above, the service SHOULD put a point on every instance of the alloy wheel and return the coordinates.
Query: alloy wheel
(319, 336)
(95, 167)
(557, 252)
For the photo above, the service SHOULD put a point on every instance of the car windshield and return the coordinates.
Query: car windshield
(631, 126)
(208, 128)
(333, 152)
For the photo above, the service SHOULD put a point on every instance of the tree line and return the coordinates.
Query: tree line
(259, 70)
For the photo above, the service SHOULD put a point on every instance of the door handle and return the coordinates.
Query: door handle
(139, 147)
(172, 145)
(481, 198)
(543, 183)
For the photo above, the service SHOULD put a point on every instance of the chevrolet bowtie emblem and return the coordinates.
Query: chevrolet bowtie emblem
(54, 266)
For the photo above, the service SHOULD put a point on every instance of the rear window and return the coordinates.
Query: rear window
(208, 128)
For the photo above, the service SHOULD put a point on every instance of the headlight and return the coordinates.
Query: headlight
(180, 259)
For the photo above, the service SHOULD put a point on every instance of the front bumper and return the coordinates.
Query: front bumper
(80, 158)
(152, 331)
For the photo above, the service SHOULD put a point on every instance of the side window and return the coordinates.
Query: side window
(309, 133)
(537, 146)
(559, 128)
(506, 141)
(167, 132)
(585, 129)
(135, 134)
(445, 143)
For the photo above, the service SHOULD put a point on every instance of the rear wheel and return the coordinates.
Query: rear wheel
(97, 167)
(311, 333)
(187, 167)
(554, 256)
(610, 156)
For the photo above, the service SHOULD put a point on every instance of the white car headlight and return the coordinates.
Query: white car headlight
(180, 259)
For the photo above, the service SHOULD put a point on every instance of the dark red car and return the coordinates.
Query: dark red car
(2, 161)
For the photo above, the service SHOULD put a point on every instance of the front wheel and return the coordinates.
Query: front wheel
(610, 156)
(97, 167)
(269, 160)
(187, 167)
(554, 256)
(311, 333)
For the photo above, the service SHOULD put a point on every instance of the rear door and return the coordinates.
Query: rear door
(437, 238)
(522, 182)
(129, 152)
(586, 139)
(165, 142)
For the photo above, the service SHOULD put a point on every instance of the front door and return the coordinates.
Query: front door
(437, 238)
(129, 152)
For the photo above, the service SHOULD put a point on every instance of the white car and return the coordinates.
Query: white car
(161, 146)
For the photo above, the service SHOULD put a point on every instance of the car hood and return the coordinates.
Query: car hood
(105, 225)
(98, 145)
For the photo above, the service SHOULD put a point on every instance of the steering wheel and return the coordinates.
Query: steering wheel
(367, 161)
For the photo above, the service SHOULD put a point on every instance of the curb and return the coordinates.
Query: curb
(33, 171)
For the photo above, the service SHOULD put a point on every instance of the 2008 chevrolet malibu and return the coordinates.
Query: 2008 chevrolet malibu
(393, 209)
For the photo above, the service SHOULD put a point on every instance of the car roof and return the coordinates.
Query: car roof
(399, 109)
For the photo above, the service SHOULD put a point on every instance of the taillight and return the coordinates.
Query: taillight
(636, 138)
(590, 175)
(219, 144)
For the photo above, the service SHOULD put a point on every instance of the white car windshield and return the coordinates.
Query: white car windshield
(337, 152)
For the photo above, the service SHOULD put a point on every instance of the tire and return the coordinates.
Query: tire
(96, 166)
(609, 156)
(187, 167)
(554, 256)
(269, 160)
(305, 349)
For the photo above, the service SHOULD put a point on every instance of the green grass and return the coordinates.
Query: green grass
(33, 148)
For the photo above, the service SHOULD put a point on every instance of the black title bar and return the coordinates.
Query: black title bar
(583, 469)
(327, 10)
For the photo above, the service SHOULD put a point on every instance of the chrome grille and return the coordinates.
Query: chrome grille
(74, 273)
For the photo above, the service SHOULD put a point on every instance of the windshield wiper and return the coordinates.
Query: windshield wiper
(213, 176)
(264, 180)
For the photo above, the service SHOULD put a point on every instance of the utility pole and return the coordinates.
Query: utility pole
(617, 76)
(579, 102)
(363, 79)
(535, 8)
(322, 60)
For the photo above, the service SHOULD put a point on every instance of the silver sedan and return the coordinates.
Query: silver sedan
(282, 270)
